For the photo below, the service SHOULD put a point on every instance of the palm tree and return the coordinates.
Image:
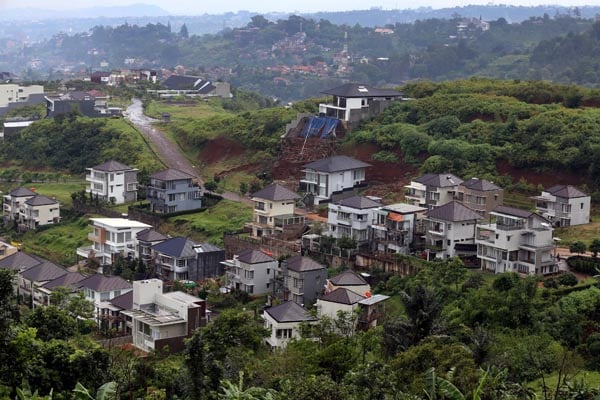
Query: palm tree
(232, 391)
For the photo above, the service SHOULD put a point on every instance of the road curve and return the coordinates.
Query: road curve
(168, 152)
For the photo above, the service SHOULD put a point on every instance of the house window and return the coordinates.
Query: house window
(104, 296)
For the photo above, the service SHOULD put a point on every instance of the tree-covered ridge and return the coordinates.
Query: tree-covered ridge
(470, 127)
(430, 48)
(73, 143)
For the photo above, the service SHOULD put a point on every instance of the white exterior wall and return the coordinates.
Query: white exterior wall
(352, 104)
(416, 194)
(358, 289)
(107, 184)
(11, 93)
(43, 215)
(451, 234)
(359, 221)
(330, 309)
(272, 209)
(580, 210)
(255, 275)
(145, 291)
(272, 325)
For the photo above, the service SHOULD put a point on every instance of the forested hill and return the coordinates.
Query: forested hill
(296, 57)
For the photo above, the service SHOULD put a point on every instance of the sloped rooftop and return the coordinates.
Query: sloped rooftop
(335, 164)
(251, 256)
(348, 278)
(439, 180)
(289, 311)
(342, 296)
(302, 264)
(112, 166)
(453, 212)
(482, 185)
(359, 202)
(275, 192)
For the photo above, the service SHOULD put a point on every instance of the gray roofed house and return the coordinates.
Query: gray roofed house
(13, 202)
(173, 191)
(183, 259)
(439, 180)
(302, 264)
(566, 191)
(19, 261)
(68, 280)
(336, 164)
(40, 200)
(359, 202)
(124, 301)
(348, 278)
(251, 256)
(283, 322)
(564, 205)
(333, 178)
(275, 192)
(342, 296)
(450, 231)
(193, 86)
(480, 184)
(150, 235)
(112, 166)
(145, 240)
(44, 272)
(103, 283)
(453, 212)
(22, 192)
(112, 181)
(288, 311)
(353, 102)
(515, 212)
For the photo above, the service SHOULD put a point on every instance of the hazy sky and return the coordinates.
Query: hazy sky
(192, 7)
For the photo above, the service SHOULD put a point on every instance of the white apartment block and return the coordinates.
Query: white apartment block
(564, 205)
(251, 271)
(351, 218)
(112, 182)
(432, 190)
(516, 240)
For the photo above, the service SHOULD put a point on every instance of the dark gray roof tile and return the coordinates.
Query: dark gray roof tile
(171, 174)
(101, 283)
(68, 280)
(19, 261)
(453, 212)
(348, 278)
(566, 191)
(22, 192)
(275, 192)
(359, 202)
(343, 296)
(46, 271)
(150, 235)
(124, 301)
(251, 256)
(302, 264)
(335, 164)
(481, 185)
(112, 166)
(178, 247)
(40, 200)
(289, 312)
(439, 180)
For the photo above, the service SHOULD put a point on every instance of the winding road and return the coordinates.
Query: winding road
(167, 151)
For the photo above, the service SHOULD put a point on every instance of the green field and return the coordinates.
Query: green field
(590, 378)
(184, 111)
(146, 158)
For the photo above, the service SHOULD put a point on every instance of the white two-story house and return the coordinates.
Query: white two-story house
(450, 230)
(432, 190)
(110, 238)
(332, 176)
(100, 289)
(251, 271)
(13, 202)
(112, 181)
(274, 210)
(515, 240)
(283, 323)
(39, 210)
(351, 218)
(564, 205)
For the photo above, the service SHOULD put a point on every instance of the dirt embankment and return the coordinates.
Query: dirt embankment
(546, 179)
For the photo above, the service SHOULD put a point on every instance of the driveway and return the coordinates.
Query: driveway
(169, 152)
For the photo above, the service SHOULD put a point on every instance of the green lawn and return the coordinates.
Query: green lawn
(209, 225)
(585, 233)
(591, 378)
(58, 243)
(146, 158)
(183, 112)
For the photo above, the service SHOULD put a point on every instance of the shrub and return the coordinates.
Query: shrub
(585, 265)
(385, 156)
(567, 279)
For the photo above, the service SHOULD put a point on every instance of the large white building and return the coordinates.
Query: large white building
(564, 205)
(432, 190)
(252, 271)
(283, 323)
(112, 237)
(274, 210)
(332, 176)
(516, 240)
(351, 218)
(450, 230)
(12, 93)
(112, 181)
(39, 211)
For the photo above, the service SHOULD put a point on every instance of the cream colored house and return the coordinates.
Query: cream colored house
(348, 280)
(12, 93)
(39, 211)
(274, 209)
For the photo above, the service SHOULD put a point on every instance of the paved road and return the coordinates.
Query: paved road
(169, 152)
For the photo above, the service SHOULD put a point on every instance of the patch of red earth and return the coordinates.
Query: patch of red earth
(546, 179)
(218, 149)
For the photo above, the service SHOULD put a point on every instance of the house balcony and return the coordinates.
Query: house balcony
(290, 219)
(435, 232)
(95, 178)
(85, 251)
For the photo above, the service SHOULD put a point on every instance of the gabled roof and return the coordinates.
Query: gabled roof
(22, 192)
(335, 164)
(361, 90)
(302, 264)
(68, 280)
(19, 261)
(453, 212)
(348, 278)
(46, 271)
(515, 212)
(150, 235)
(566, 191)
(102, 283)
(186, 82)
(251, 256)
(40, 200)
(112, 166)
(206, 248)
(359, 202)
(171, 174)
(342, 296)
(275, 192)
(178, 247)
(289, 311)
(439, 180)
(481, 185)
(124, 301)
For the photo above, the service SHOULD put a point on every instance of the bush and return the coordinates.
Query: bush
(551, 283)
(385, 156)
(585, 265)
(567, 279)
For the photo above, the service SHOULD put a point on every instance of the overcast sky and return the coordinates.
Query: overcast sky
(193, 7)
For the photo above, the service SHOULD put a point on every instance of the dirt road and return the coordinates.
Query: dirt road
(169, 152)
